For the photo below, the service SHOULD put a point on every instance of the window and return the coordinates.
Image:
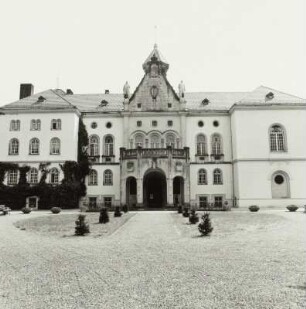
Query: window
(154, 123)
(15, 125)
(170, 140)
(139, 140)
(108, 146)
(34, 146)
(108, 125)
(218, 201)
(54, 176)
(93, 178)
(170, 123)
(201, 145)
(108, 178)
(55, 146)
(200, 123)
(92, 202)
(56, 124)
(202, 177)
(218, 177)
(94, 145)
(107, 201)
(138, 105)
(94, 125)
(203, 202)
(139, 123)
(216, 123)
(12, 177)
(277, 138)
(155, 141)
(35, 125)
(169, 105)
(14, 146)
(216, 144)
(33, 176)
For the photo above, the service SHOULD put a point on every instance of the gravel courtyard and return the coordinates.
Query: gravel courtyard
(156, 260)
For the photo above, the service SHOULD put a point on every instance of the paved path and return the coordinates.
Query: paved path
(146, 263)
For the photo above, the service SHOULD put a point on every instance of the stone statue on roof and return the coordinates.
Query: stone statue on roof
(181, 88)
(126, 90)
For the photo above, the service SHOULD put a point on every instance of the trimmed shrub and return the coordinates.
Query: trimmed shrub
(55, 210)
(117, 212)
(205, 227)
(81, 226)
(179, 209)
(104, 218)
(26, 210)
(292, 208)
(254, 208)
(125, 208)
(193, 217)
(185, 212)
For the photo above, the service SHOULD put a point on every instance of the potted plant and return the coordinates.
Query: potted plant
(292, 208)
(56, 210)
(254, 208)
(26, 210)
(193, 217)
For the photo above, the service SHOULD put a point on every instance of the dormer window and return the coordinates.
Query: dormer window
(269, 96)
(103, 103)
(205, 101)
(41, 99)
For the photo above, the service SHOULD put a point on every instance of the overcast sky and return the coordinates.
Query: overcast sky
(93, 45)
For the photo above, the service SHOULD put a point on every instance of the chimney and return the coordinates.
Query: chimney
(26, 90)
(69, 92)
(106, 91)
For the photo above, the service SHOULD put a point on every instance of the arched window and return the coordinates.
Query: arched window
(280, 185)
(155, 141)
(33, 175)
(55, 146)
(201, 145)
(12, 177)
(14, 146)
(34, 146)
(108, 146)
(56, 124)
(139, 140)
(216, 144)
(277, 138)
(170, 140)
(94, 145)
(218, 177)
(93, 178)
(15, 125)
(35, 124)
(202, 177)
(108, 178)
(54, 176)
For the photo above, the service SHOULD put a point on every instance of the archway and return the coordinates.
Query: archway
(131, 191)
(154, 189)
(178, 190)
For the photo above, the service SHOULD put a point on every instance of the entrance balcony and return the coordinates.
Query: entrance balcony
(169, 152)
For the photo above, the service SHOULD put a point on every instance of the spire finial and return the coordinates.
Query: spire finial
(155, 37)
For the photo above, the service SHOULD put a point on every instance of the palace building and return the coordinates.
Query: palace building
(158, 146)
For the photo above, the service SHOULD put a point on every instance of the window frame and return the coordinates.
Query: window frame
(202, 177)
(217, 176)
(55, 149)
(12, 148)
(31, 147)
(108, 178)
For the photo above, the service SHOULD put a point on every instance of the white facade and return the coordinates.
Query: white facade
(156, 147)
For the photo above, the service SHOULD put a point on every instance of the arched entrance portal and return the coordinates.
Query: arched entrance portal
(154, 189)
(131, 191)
(178, 190)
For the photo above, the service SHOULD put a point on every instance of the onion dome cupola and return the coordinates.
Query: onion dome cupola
(155, 64)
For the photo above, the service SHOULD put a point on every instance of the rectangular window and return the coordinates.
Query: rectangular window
(203, 201)
(218, 201)
(139, 123)
(92, 202)
(107, 201)
(15, 125)
(169, 105)
(170, 123)
(139, 105)
(154, 123)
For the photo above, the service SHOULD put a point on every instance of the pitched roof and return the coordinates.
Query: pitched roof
(46, 100)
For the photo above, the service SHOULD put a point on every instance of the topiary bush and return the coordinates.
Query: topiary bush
(125, 208)
(292, 208)
(254, 208)
(104, 217)
(26, 210)
(205, 227)
(117, 212)
(193, 217)
(56, 210)
(185, 212)
(81, 226)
